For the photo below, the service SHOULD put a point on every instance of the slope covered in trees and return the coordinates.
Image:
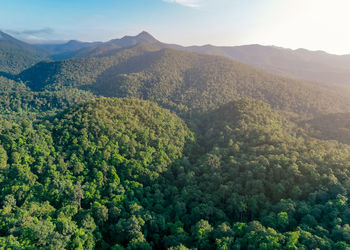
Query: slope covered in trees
(300, 63)
(76, 72)
(80, 177)
(124, 173)
(18, 102)
(254, 167)
(183, 81)
(16, 56)
(330, 127)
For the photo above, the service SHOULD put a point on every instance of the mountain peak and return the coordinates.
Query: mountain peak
(145, 34)
(73, 42)
(128, 41)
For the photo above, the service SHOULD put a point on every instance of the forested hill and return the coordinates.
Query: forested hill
(127, 174)
(183, 81)
(300, 63)
(18, 102)
(16, 56)
(330, 127)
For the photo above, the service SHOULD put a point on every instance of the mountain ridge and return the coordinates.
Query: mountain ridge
(189, 80)
(16, 55)
(299, 63)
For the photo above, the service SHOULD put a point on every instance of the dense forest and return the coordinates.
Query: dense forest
(126, 173)
(335, 126)
(147, 147)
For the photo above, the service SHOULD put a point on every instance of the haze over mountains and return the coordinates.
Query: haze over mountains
(300, 63)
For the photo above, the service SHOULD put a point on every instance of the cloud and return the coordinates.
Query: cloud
(33, 35)
(31, 32)
(187, 3)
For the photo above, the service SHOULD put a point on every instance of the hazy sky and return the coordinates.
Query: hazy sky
(311, 24)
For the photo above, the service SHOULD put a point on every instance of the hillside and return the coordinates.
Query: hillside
(18, 102)
(60, 51)
(300, 63)
(82, 172)
(16, 56)
(330, 127)
(183, 81)
(76, 72)
(123, 173)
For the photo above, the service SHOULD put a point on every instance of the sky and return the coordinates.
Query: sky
(311, 24)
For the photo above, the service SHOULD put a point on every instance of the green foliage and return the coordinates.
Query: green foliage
(75, 72)
(77, 180)
(183, 81)
(126, 174)
(18, 101)
(330, 127)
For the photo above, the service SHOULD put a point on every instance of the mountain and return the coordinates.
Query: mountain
(183, 81)
(129, 41)
(110, 47)
(16, 56)
(59, 50)
(300, 63)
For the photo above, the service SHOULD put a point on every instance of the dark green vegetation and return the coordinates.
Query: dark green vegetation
(18, 102)
(79, 171)
(72, 181)
(183, 81)
(330, 127)
(126, 173)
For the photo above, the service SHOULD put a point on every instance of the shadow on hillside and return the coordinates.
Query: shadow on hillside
(8, 75)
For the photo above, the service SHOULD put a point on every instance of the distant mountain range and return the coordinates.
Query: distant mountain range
(76, 49)
(65, 48)
(300, 63)
(303, 64)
